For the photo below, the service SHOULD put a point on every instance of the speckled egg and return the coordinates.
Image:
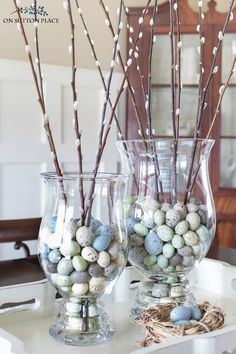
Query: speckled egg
(160, 290)
(94, 224)
(172, 217)
(63, 280)
(103, 230)
(51, 267)
(180, 313)
(79, 263)
(84, 236)
(73, 308)
(202, 232)
(52, 224)
(101, 242)
(95, 270)
(89, 254)
(176, 260)
(190, 238)
(109, 269)
(165, 233)
(136, 240)
(130, 222)
(168, 250)
(177, 241)
(202, 212)
(150, 260)
(71, 228)
(185, 251)
(150, 204)
(147, 220)
(188, 261)
(193, 220)
(140, 229)
(159, 217)
(155, 268)
(103, 259)
(182, 209)
(165, 206)
(113, 250)
(162, 261)
(137, 254)
(80, 277)
(197, 249)
(93, 310)
(192, 208)
(65, 266)
(96, 285)
(54, 256)
(80, 289)
(182, 227)
(196, 313)
(153, 244)
(70, 248)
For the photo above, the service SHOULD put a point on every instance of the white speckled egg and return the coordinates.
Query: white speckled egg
(113, 250)
(188, 261)
(103, 259)
(165, 206)
(89, 254)
(197, 249)
(193, 220)
(147, 220)
(80, 289)
(84, 236)
(159, 217)
(150, 204)
(182, 209)
(70, 248)
(192, 208)
(190, 238)
(109, 269)
(172, 217)
(162, 261)
(96, 285)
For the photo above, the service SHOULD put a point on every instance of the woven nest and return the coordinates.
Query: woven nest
(158, 328)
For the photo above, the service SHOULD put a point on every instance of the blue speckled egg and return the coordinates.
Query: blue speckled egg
(94, 224)
(183, 323)
(195, 310)
(130, 222)
(44, 251)
(104, 230)
(52, 224)
(102, 242)
(180, 313)
(153, 244)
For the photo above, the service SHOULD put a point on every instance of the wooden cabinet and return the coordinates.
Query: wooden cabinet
(223, 157)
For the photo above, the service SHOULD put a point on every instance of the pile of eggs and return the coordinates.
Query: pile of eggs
(167, 238)
(80, 260)
(183, 314)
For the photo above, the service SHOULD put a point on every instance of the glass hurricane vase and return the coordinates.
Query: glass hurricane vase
(169, 212)
(82, 259)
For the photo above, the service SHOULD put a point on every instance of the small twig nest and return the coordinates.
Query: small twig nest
(158, 328)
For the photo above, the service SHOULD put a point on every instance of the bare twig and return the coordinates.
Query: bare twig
(46, 123)
(75, 107)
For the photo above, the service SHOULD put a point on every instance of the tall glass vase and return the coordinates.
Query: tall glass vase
(82, 259)
(169, 212)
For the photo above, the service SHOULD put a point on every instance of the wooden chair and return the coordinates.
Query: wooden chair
(25, 269)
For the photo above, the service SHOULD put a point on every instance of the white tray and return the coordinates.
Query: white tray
(212, 280)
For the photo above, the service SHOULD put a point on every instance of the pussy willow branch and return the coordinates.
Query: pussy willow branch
(130, 89)
(107, 96)
(216, 114)
(109, 124)
(201, 46)
(38, 59)
(202, 104)
(178, 67)
(46, 123)
(76, 118)
(173, 63)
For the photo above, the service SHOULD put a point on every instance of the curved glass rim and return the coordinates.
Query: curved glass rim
(167, 139)
(86, 176)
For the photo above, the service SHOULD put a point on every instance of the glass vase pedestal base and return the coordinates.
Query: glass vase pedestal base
(158, 292)
(79, 329)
